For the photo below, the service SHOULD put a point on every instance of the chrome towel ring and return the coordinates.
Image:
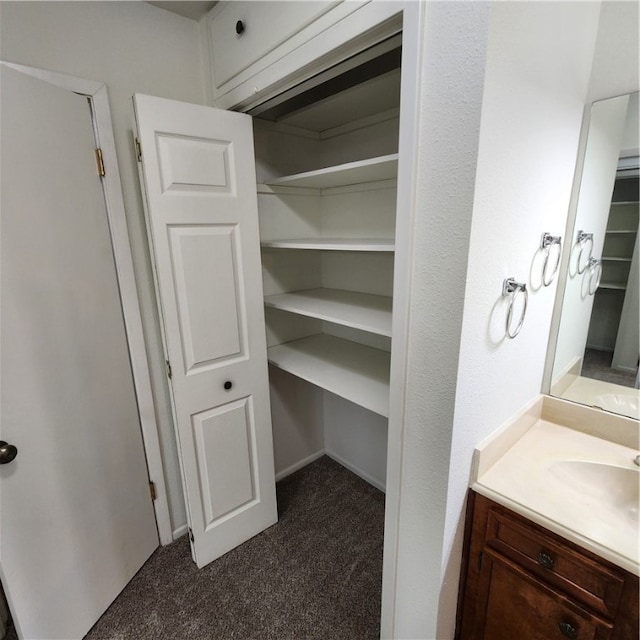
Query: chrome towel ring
(512, 288)
(583, 241)
(546, 244)
(595, 271)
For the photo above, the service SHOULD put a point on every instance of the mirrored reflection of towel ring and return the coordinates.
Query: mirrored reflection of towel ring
(513, 289)
(546, 245)
(584, 241)
(595, 274)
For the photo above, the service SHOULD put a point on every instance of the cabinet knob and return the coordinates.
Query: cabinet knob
(7, 452)
(568, 630)
(239, 27)
(546, 560)
(227, 385)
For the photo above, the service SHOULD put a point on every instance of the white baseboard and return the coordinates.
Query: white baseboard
(180, 531)
(298, 465)
(362, 474)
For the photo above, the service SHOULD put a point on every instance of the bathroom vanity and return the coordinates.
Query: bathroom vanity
(551, 540)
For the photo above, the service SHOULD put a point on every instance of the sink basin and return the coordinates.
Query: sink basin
(624, 403)
(615, 489)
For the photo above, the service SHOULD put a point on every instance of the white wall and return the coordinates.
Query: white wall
(536, 84)
(449, 79)
(132, 47)
(616, 62)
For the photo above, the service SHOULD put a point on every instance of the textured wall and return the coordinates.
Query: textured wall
(537, 79)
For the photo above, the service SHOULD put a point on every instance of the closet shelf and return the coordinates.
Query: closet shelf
(370, 170)
(334, 244)
(357, 310)
(615, 259)
(617, 286)
(620, 231)
(352, 371)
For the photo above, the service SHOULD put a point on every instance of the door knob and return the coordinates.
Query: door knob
(7, 452)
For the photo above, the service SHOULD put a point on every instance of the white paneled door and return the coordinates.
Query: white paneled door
(198, 174)
(76, 517)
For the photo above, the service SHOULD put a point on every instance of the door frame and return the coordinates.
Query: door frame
(97, 94)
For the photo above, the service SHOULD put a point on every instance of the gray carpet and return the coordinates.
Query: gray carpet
(315, 574)
(597, 365)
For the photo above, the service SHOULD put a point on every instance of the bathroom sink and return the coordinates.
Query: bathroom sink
(613, 488)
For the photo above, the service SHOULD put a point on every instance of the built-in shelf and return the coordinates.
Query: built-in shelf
(334, 244)
(371, 170)
(615, 259)
(352, 371)
(618, 286)
(621, 231)
(350, 309)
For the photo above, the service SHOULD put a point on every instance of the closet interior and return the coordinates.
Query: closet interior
(326, 165)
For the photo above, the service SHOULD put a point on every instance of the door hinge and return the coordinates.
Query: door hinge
(138, 150)
(152, 490)
(190, 534)
(168, 369)
(100, 162)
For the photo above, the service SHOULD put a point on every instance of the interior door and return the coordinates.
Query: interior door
(199, 177)
(76, 518)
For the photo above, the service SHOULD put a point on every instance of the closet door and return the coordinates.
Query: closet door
(197, 169)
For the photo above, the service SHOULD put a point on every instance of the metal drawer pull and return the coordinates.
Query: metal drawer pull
(546, 560)
(568, 630)
(239, 27)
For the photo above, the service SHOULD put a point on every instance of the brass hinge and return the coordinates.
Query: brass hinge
(100, 162)
(190, 534)
(152, 489)
(138, 150)
(168, 369)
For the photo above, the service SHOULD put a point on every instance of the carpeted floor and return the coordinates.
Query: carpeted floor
(597, 364)
(316, 574)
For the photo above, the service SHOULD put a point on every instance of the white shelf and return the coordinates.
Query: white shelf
(618, 286)
(334, 244)
(370, 170)
(350, 370)
(357, 310)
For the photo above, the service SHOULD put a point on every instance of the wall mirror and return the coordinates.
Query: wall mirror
(595, 360)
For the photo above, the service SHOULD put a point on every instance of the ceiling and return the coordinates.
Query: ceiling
(186, 8)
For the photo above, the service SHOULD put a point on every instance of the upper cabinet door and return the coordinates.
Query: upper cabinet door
(198, 174)
(245, 31)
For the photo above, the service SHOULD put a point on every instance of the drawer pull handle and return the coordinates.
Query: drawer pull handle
(227, 385)
(239, 27)
(546, 560)
(568, 630)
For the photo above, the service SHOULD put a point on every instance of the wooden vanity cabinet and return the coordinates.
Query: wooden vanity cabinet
(520, 580)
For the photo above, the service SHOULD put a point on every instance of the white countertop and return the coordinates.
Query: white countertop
(580, 486)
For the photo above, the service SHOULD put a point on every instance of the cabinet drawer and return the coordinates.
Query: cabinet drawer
(551, 559)
(265, 25)
(517, 606)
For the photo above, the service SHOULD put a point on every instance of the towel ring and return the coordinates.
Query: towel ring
(547, 242)
(583, 240)
(512, 288)
(595, 268)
